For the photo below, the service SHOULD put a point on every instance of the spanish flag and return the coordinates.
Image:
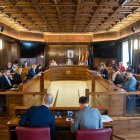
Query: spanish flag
(86, 56)
(83, 55)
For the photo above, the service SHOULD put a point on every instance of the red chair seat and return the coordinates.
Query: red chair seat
(138, 86)
(98, 134)
(30, 133)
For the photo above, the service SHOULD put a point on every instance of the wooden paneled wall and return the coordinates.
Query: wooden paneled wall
(68, 38)
(107, 61)
(8, 31)
(9, 53)
(59, 53)
(105, 36)
(31, 36)
(31, 61)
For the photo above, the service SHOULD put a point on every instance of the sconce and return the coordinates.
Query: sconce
(1, 28)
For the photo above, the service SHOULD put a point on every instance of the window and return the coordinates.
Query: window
(0, 44)
(131, 50)
(125, 53)
(135, 44)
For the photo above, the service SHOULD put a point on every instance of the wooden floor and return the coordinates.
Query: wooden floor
(4, 129)
(68, 92)
(127, 137)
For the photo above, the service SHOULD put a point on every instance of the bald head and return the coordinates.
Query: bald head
(48, 99)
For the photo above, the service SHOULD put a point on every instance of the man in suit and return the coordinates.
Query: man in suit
(86, 118)
(32, 71)
(40, 116)
(130, 83)
(6, 80)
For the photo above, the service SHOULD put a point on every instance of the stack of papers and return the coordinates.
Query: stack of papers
(106, 118)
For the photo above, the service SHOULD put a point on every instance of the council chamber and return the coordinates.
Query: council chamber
(71, 49)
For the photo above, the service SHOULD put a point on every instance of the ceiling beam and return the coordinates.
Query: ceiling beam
(59, 15)
(91, 19)
(76, 13)
(35, 4)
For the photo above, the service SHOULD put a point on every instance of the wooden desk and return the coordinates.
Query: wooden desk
(73, 72)
(63, 129)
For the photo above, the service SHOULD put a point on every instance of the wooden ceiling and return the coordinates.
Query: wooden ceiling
(69, 16)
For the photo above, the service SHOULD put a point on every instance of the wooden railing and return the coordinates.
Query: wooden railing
(116, 100)
(30, 85)
(28, 95)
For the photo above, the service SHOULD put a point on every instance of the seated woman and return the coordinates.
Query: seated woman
(121, 67)
(116, 78)
(103, 71)
(24, 72)
(15, 66)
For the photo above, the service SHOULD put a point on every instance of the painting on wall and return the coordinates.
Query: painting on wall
(70, 54)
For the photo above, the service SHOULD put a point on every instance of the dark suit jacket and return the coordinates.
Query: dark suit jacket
(4, 83)
(31, 73)
(105, 74)
(118, 79)
(17, 79)
(39, 116)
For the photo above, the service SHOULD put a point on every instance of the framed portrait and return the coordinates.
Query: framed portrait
(70, 54)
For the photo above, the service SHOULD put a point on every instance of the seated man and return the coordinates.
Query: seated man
(113, 64)
(6, 80)
(86, 118)
(53, 63)
(32, 72)
(69, 62)
(130, 83)
(40, 116)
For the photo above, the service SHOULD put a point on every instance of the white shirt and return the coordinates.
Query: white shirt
(9, 82)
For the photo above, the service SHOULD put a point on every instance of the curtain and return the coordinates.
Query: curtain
(136, 55)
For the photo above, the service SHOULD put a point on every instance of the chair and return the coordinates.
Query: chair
(138, 96)
(138, 86)
(97, 134)
(30, 133)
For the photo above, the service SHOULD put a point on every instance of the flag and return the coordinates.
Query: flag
(90, 58)
(83, 55)
(79, 54)
(86, 56)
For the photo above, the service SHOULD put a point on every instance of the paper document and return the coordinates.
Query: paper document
(106, 118)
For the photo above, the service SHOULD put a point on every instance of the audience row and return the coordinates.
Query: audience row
(12, 75)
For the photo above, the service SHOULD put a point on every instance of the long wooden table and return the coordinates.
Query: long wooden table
(63, 128)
